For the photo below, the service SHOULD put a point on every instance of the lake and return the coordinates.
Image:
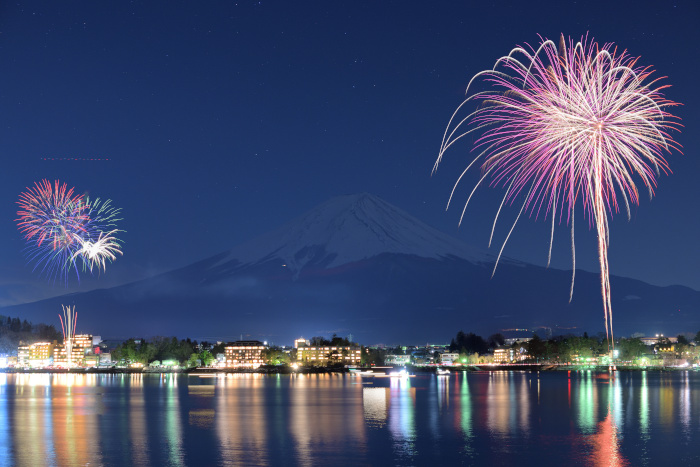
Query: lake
(475, 418)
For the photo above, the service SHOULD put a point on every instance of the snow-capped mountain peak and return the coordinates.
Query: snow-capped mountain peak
(351, 228)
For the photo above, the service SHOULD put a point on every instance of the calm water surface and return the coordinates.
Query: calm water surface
(513, 418)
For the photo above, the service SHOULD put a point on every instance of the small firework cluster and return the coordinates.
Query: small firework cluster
(65, 231)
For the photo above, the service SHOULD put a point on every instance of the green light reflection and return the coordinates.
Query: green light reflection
(465, 415)
(586, 403)
(173, 421)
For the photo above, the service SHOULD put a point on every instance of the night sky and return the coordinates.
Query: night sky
(218, 121)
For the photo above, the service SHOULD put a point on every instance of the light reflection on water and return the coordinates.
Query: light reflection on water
(463, 418)
(138, 434)
(173, 428)
(375, 402)
(326, 411)
(239, 418)
(402, 417)
(587, 401)
(586, 418)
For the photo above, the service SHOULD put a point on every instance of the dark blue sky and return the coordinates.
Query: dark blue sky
(223, 120)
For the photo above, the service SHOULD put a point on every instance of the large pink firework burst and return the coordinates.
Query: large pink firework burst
(567, 124)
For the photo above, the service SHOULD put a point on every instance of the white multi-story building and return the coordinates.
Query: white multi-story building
(244, 354)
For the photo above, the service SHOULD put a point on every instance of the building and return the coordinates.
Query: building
(83, 341)
(301, 341)
(105, 359)
(659, 338)
(397, 360)
(77, 356)
(244, 354)
(41, 354)
(91, 361)
(503, 355)
(329, 354)
(449, 358)
(22, 356)
(82, 345)
(666, 348)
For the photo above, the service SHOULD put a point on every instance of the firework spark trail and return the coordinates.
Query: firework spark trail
(567, 124)
(60, 228)
(68, 322)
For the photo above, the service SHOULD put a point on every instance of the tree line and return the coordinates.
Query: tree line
(14, 332)
(185, 352)
(566, 348)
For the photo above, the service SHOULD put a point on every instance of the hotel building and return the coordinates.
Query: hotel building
(503, 355)
(40, 354)
(324, 355)
(244, 354)
(82, 344)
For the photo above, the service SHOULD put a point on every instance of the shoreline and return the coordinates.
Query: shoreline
(321, 370)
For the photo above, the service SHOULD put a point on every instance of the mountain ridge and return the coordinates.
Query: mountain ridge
(357, 264)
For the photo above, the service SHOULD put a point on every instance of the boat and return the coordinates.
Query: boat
(402, 374)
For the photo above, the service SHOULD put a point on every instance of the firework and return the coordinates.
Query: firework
(94, 254)
(96, 245)
(561, 125)
(63, 230)
(51, 218)
(68, 323)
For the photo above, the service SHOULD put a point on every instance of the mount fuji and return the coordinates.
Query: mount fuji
(359, 265)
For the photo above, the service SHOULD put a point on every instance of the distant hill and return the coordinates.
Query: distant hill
(358, 265)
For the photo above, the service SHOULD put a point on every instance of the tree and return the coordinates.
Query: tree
(193, 361)
(631, 349)
(536, 348)
(218, 348)
(468, 343)
(275, 356)
(206, 357)
(496, 340)
(319, 341)
(373, 356)
(339, 341)
(126, 352)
